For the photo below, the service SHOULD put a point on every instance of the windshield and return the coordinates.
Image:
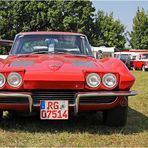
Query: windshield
(122, 56)
(73, 44)
(144, 56)
(125, 56)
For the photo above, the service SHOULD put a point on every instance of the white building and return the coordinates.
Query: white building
(106, 51)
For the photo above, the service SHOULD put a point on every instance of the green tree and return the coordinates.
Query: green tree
(60, 15)
(139, 35)
(108, 32)
(20, 16)
(79, 17)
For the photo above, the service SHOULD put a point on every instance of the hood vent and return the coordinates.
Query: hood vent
(21, 63)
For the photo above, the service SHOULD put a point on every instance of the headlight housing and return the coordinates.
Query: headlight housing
(14, 79)
(93, 80)
(109, 80)
(2, 80)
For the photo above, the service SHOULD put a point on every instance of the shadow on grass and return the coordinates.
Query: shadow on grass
(90, 123)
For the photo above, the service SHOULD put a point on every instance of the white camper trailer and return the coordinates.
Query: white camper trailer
(106, 51)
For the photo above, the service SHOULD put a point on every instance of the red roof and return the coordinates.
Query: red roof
(135, 50)
(48, 32)
(143, 52)
(139, 50)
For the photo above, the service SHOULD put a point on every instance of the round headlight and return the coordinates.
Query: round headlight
(14, 79)
(2, 80)
(93, 80)
(109, 80)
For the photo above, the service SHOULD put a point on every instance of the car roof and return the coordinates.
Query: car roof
(48, 33)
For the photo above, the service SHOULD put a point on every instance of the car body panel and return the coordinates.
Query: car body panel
(138, 62)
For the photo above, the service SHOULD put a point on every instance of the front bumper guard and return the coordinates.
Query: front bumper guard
(100, 94)
(78, 96)
(21, 96)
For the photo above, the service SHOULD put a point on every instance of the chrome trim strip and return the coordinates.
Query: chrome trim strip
(20, 95)
(100, 93)
(77, 96)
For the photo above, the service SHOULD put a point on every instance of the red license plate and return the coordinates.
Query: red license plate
(54, 110)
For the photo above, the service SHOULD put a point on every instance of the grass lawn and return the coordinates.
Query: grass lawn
(83, 130)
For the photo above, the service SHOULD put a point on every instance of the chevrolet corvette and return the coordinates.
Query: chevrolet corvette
(55, 73)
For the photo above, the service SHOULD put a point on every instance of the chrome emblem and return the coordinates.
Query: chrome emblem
(55, 66)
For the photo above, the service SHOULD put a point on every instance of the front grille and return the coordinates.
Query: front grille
(13, 100)
(61, 95)
(58, 95)
(97, 100)
(52, 95)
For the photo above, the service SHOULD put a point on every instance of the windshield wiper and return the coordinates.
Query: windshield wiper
(39, 52)
(54, 52)
(48, 52)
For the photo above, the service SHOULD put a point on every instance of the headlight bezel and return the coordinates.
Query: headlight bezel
(18, 76)
(94, 75)
(107, 75)
(4, 78)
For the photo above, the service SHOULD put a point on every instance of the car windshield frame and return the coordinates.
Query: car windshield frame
(83, 46)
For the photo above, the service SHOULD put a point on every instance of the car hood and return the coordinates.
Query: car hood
(144, 60)
(52, 62)
(63, 71)
(52, 71)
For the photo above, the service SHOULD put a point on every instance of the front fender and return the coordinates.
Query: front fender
(115, 65)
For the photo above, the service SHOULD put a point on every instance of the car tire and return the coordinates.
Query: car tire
(143, 68)
(116, 116)
(1, 115)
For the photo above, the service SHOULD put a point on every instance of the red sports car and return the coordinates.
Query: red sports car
(140, 61)
(55, 73)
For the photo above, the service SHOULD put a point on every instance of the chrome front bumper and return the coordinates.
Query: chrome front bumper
(99, 94)
(77, 98)
(20, 95)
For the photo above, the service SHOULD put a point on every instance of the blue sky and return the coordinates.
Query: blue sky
(123, 10)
